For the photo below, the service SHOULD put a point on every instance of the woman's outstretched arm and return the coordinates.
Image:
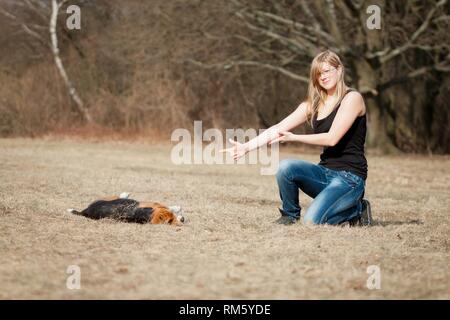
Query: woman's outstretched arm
(293, 120)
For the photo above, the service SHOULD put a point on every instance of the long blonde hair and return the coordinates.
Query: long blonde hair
(317, 94)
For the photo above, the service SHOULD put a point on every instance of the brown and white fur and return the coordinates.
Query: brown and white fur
(129, 210)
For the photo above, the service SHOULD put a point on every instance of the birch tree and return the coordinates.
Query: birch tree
(44, 30)
(62, 71)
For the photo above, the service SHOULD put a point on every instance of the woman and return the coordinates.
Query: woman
(337, 114)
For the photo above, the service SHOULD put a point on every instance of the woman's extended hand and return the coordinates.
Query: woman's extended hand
(284, 136)
(237, 150)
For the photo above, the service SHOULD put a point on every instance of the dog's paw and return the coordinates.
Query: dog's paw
(176, 209)
(71, 210)
(124, 195)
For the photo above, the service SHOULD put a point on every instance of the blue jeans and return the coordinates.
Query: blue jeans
(337, 194)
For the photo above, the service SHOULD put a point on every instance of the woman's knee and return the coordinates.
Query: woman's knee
(284, 168)
(287, 166)
(313, 218)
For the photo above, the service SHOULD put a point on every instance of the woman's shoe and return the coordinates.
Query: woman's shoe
(286, 220)
(365, 219)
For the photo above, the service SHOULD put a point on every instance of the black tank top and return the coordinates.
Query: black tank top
(348, 153)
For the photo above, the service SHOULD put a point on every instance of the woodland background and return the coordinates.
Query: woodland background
(148, 67)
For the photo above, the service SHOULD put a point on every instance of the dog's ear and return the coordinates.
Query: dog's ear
(156, 217)
(163, 215)
(169, 217)
(178, 212)
(159, 215)
(173, 220)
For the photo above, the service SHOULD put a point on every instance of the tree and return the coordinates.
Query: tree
(47, 13)
(284, 36)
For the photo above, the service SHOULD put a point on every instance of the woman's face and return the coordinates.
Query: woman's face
(328, 76)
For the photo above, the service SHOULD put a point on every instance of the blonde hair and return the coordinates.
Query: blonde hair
(317, 94)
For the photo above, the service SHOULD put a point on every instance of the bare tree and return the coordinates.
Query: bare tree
(62, 71)
(284, 36)
(46, 13)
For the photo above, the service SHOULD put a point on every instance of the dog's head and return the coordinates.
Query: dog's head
(170, 215)
(178, 212)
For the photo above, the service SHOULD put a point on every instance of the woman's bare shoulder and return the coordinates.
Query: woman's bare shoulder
(354, 93)
(356, 100)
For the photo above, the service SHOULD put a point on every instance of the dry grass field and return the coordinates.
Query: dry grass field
(229, 248)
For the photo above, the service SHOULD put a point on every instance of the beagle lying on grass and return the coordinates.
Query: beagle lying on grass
(124, 209)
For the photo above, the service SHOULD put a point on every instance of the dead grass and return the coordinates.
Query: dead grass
(229, 248)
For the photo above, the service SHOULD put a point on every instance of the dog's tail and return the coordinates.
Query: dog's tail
(73, 211)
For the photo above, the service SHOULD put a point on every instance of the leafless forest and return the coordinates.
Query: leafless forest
(147, 67)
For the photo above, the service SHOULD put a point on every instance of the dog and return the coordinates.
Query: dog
(123, 209)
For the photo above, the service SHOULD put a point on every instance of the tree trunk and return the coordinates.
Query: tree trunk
(378, 118)
(62, 71)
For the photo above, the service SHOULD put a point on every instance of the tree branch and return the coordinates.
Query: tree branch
(332, 19)
(440, 67)
(347, 11)
(24, 26)
(388, 54)
(285, 60)
(228, 65)
(31, 5)
(317, 28)
(318, 32)
(294, 44)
